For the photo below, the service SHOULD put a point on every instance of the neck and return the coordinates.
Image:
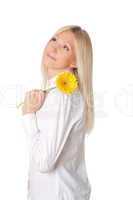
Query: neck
(51, 72)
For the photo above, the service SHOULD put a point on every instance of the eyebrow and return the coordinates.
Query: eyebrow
(64, 42)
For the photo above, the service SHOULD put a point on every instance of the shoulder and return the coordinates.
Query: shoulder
(58, 104)
(56, 99)
(73, 101)
(75, 97)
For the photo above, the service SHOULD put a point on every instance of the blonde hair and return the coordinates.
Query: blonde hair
(84, 62)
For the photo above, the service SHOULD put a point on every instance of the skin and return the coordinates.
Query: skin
(59, 55)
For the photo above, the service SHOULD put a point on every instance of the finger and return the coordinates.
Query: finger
(33, 94)
(40, 96)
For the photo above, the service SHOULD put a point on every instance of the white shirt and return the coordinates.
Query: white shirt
(57, 168)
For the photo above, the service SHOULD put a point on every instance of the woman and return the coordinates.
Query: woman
(56, 123)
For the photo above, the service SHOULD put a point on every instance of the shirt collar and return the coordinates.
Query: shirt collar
(50, 83)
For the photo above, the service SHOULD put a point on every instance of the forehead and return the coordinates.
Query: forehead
(66, 37)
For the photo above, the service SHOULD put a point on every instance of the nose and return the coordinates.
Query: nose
(55, 47)
(53, 51)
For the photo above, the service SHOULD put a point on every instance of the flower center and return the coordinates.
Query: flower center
(65, 82)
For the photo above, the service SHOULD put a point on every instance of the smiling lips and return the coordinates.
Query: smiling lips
(51, 57)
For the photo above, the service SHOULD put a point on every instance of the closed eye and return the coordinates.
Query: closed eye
(53, 39)
(65, 46)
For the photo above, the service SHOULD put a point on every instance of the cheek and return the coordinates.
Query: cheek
(45, 51)
(47, 47)
(62, 62)
(63, 58)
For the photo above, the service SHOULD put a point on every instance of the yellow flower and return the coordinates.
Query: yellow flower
(66, 82)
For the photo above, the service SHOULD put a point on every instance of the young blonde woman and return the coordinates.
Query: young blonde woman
(57, 123)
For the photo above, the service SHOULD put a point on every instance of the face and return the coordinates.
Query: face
(59, 52)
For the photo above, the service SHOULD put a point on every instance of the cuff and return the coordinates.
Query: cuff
(29, 123)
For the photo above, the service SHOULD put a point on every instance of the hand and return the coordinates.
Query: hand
(33, 101)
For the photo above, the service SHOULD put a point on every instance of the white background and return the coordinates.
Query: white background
(25, 27)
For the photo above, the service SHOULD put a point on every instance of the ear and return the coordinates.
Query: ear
(73, 66)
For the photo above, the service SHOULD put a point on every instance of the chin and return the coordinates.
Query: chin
(49, 65)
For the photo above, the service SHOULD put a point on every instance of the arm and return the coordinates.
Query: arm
(48, 141)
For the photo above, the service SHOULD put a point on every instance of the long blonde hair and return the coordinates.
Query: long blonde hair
(84, 62)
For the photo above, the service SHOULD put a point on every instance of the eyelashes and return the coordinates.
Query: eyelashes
(53, 39)
(64, 46)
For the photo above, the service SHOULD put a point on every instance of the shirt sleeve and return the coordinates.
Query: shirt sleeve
(47, 141)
